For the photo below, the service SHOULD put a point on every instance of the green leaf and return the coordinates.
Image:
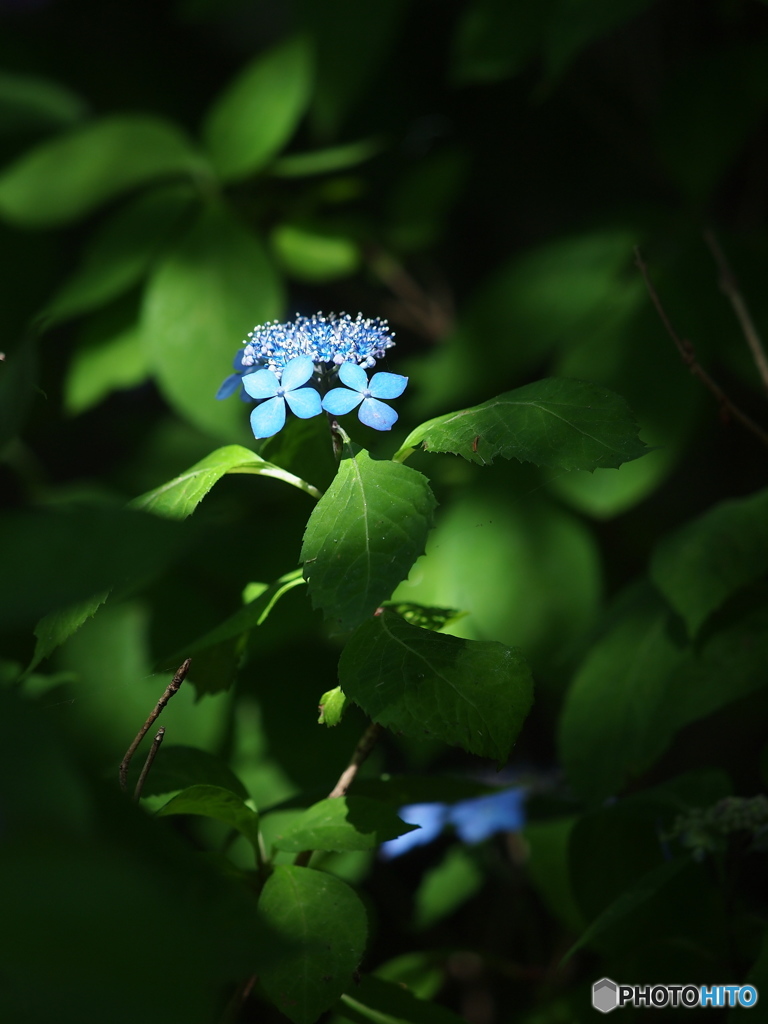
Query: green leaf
(470, 694)
(65, 178)
(323, 925)
(363, 536)
(428, 618)
(122, 250)
(312, 253)
(180, 497)
(376, 1001)
(97, 369)
(698, 568)
(28, 102)
(180, 767)
(446, 887)
(52, 558)
(331, 707)
(566, 424)
(612, 727)
(217, 653)
(53, 629)
(218, 803)
(342, 823)
(257, 114)
(200, 302)
(325, 161)
(634, 898)
(575, 25)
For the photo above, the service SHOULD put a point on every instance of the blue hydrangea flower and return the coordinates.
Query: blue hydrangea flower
(372, 412)
(269, 417)
(329, 343)
(474, 820)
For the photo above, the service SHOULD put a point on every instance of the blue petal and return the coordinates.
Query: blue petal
(297, 372)
(431, 817)
(387, 385)
(229, 386)
(268, 418)
(304, 403)
(341, 401)
(353, 376)
(484, 816)
(261, 384)
(377, 415)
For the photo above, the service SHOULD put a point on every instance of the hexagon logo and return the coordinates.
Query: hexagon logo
(605, 995)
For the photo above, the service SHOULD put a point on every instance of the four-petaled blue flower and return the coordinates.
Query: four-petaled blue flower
(373, 413)
(269, 417)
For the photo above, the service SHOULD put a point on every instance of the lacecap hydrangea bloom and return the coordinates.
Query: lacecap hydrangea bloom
(296, 364)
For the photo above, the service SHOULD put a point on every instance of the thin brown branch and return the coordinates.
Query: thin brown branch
(170, 690)
(363, 749)
(232, 1009)
(148, 763)
(688, 355)
(730, 288)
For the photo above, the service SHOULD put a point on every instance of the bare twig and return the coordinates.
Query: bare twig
(732, 291)
(364, 747)
(232, 1009)
(170, 689)
(148, 763)
(688, 355)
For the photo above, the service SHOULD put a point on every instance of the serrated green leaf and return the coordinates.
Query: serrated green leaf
(323, 925)
(701, 565)
(121, 251)
(181, 767)
(342, 823)
(180, 497)
(218, 803)
(468, 693)
(199, 303)
(53, 629)
(566, 424)
(363, 536)
(68, 176)
(377, 1001)
(257, 114)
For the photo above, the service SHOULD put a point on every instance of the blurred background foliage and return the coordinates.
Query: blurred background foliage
(478, 171)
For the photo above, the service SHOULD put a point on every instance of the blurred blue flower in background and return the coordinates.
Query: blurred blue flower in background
(372, 412)
(474, 820)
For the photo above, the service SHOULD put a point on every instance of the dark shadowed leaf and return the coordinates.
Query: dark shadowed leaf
(469, 693)
(179, 767)
(566, 424)
(31, 103)
(376, 1001)
(363, 536)
(67, 177)
(322, 923)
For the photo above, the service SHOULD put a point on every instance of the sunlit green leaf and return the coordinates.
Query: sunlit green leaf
(701, 565)
(567, 424)
(122, 250)
(68, 176)
(331, 706)
(96, 370)
(216, 802)
(377, 1001)
(180, 497)
(323, 925)
(257, 114)
(200, 303)
(342, 823)
(324, 161)
(467, 693)
(363, 536)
